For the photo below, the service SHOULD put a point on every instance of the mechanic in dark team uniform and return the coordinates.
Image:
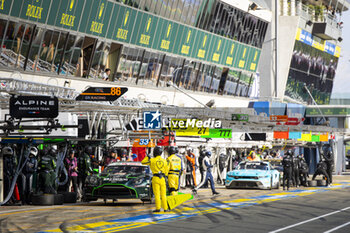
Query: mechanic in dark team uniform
(84, 168)
(329, 159)
(321, 169)
(303, 171)
(287, 164)
(10, 164)
(47, 175)
(296, 167)
(29, 171)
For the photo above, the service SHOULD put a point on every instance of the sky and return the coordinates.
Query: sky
(341, 85)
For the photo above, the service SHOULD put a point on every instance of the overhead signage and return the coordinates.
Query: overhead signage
(219, 133)
(143, 143)
(102, 93)
(33, 107)
(255, 137)
(309, 39)
(240, 117)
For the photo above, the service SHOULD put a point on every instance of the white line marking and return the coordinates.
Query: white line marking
(338, 227)
(309, 220)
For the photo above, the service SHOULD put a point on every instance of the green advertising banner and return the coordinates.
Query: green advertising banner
(241, 57)
(253, 59)
(5, 6)
(185, 39)
(34, 10)
(218, 133)
(68, 14)
(115, 21)
(217, 49)
(201, 48)
(230, 53)
(124, 25)
(336, 111)
(99, 18)
(145, 34)
(166, 34)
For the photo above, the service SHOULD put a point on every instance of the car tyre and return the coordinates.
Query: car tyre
(270, 188)
(321, 183)
(58, 199)
(43, 199)
(69, 197)
(312, 183)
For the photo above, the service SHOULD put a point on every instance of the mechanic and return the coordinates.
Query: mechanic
(29, 171)
(223, 161)
(84, 169)
(190, 169)
(72, 165)
(112, 158)
(321, 169)
(123, 156)
(201, 168)
(253, 157)
(47, 175)
(207, 174)
(10, 164)
(175, 168)
(159, 168)
(295, 172)
(329, 158)
(287, 164)
(303, 171)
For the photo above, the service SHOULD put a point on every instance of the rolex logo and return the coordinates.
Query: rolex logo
(101, 10)
(148, 24)
(71, 5)
(126, 17)
(168, 32)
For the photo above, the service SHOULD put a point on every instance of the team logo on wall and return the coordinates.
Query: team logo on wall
(152, 120)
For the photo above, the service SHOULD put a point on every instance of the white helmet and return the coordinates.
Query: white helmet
(33, 151)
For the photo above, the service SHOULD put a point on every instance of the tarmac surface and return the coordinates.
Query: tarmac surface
(313, 209)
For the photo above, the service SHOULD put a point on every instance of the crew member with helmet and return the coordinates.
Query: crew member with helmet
(329, 159)
(123, 156)
(287, 164)
(207, 167)
(175, 168)
(303, 170)
(296, 168)
(112, 158)
(84, 168)
(29, 170)
(321, 169)
(47, 175)
(159, 168)
(10, 164)
(191, 169)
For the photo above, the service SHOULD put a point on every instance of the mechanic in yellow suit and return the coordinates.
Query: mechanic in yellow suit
(159, 168)
(175, 168)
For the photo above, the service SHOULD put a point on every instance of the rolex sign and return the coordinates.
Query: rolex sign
(33, 107)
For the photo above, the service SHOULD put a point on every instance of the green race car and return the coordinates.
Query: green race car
(120, 180)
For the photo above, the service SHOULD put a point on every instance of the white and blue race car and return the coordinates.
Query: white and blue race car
(253, 174)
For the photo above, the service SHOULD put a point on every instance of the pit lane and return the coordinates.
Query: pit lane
(97, 216)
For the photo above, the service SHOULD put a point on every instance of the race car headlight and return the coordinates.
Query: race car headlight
(139, 181)
(93, 180)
